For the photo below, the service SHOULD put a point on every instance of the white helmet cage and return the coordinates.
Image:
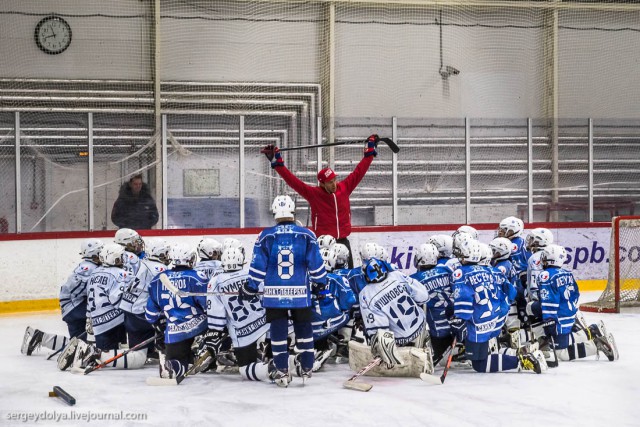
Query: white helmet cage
(112, 255)
(538, 238)
(501, 247)
(183, 255)
(209, 248)
(443, 243)
(326, 241)
(510, 227)
(91, 248)
(158, 250)
(426, 255)
(130, 239)
(553, 256)
(339, 256)
(283, 207)
(232, 259)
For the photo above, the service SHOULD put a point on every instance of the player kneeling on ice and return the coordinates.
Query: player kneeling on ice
(287, 262)
(178, 318)
(394, 323)
(73, 303)
(105, 291)
(244, 318)
(558, 309)
(478, 314)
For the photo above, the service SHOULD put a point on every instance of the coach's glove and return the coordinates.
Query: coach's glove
(550, 329)
(320, 290)
(159, 327)
(458, 328)
(273, 154)
(247, 291)
(372, 144)
(211, 342)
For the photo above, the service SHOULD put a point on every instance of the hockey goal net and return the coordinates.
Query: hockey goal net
(623, 282)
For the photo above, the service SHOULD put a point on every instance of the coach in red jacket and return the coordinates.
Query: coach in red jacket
(329, 201)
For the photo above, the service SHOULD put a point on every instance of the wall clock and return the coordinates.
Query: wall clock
(53, 35)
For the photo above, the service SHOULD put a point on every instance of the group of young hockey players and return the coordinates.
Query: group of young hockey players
(504, 305)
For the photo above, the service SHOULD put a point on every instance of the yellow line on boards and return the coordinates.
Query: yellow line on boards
(591, 285)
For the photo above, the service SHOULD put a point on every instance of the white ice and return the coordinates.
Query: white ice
(580, 393)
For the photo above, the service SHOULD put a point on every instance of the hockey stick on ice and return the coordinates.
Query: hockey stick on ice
(392, 145)
(101, 365)
(351, 383)
(433, 379)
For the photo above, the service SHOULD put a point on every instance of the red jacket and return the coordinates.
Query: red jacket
(330, 213)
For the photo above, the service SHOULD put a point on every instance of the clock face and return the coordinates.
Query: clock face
(53, 35)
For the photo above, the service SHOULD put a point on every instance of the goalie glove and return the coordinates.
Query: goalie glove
(372, 144)
(383, 345)
(159, 327)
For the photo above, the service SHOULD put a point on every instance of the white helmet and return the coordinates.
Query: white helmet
(367, 251)
(338, 256)
(130, 239)
(553, 256)
(326, 241)
(183, 255)
(426, 256)
(510, 227)
(158, 250)
(381, 253)
(443, 243)
(538, 238)
(232, 259)
(501, 247)
(485, 254)
(458, 239)
(283, 207)
(324, 252)
(112, 255)
(469, 251)
(209, 248)
(232, 242)
(91, 248)
(469, 230)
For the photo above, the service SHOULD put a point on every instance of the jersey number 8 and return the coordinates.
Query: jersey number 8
(285, 264)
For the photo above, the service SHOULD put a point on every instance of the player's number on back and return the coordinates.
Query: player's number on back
(285, 264)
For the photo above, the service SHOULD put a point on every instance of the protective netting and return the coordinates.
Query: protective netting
(623, 283)
(453, 83)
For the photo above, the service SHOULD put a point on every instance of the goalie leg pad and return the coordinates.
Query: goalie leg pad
(412, 361)
(383, 344)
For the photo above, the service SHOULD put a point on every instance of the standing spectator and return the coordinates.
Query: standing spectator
(134, 207)
(329, 201)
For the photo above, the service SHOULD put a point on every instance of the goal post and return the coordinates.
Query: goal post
(623, 281)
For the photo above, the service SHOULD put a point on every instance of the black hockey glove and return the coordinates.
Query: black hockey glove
(550, 329)
(319, 290)
(160, 327)
(372, 144)
(247, 291)
(458, 328)
(211, 342)
(269, 151)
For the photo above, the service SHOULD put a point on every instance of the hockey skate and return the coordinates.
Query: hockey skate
(604, 341)
(282, 378)
(321, 356)
(300, 371)
(533, 362)
(67, 355)
(31, 341)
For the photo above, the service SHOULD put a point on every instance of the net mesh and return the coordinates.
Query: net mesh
(233, 76)
(623, 285)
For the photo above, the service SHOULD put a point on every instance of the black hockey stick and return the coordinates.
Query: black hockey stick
(392, 145)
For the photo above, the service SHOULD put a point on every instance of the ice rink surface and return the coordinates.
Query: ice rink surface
(580, 393)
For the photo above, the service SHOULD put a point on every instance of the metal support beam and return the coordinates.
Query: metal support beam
(319, 141)
(590, 170)
(467, 175)
(16, 134)
(241, 180)
(394, 174)
(90, 171)
(164, 166)
(529, 170)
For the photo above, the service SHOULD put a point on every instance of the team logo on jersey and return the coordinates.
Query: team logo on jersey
(457, 274)
(514, 248)
(537, 262)
(502, 269)
(544, 276)
(544, 294)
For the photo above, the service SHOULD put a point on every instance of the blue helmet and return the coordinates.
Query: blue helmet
(375, 270)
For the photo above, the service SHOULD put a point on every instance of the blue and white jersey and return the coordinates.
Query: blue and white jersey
(505, 293)
(507, 273)
(519, 255)
(559, 298)
(355, 276)
(437, 282)
(246, 320)
(187, 315)
(475, 301)
(136, 294)
(73, 292)
(210, 267)
(534, 268)
(451, 264)
(394, 304)
(131, 262)
(332, 312)
(105, 290)
(285, 258)
(343, 272)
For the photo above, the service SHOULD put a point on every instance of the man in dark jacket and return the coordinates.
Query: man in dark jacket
(135, 208)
